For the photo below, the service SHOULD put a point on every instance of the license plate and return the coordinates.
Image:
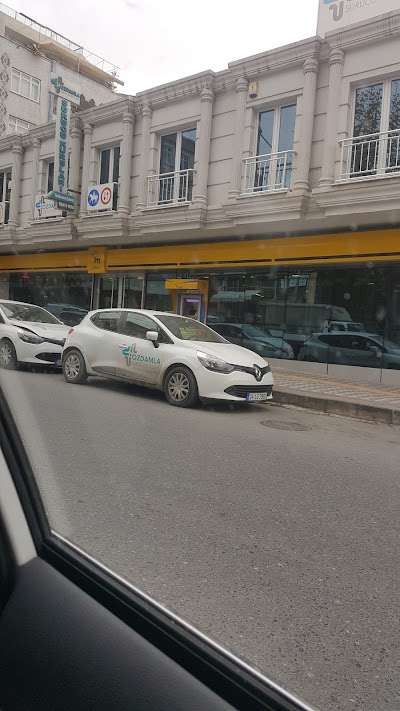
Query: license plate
(256, 397)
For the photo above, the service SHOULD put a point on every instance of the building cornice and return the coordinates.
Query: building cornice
(368, 31)
(180, 89)
(106, 112)
(275, 59)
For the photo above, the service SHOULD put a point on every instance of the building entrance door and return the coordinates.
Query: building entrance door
(119, 291)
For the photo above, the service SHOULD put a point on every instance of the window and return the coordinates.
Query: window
(273, 166)
(16, 125)
(5, 192)
(107, 320)
(177, 163)
(25, 85)
(50, 176)
(376, 127)
(109, 169)
(137, 325)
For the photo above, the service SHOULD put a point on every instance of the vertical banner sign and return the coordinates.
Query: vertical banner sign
(61, 147)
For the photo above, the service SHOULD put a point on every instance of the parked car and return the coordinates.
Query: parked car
(178, 355)
(331, 326)
(352, 348)
(252, 337)
(67, 313)
(29, 334)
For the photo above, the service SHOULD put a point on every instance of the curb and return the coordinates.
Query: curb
(355, 410)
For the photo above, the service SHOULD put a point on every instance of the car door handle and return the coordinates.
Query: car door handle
(123, 345)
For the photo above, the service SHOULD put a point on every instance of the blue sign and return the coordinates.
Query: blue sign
(93, 197)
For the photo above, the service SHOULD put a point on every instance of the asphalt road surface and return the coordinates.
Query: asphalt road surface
(281, 544)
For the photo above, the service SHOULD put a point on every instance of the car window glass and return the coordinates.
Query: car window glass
(107, 320)
(27, 312)
(137, 325)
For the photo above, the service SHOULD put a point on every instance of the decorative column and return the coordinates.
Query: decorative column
(144, 161)
(17, 151)
(35, 173)
(203, 153)
(87, 151)
(336, 61)
(75, 163)
(310, 70)
(125, 164)
(242, 87)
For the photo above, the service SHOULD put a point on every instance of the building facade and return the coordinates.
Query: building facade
(29, 54)
(276, 180)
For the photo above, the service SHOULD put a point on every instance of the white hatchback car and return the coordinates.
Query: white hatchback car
(181, 356)
(29, 334)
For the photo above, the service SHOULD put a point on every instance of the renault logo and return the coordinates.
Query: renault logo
(257, 372)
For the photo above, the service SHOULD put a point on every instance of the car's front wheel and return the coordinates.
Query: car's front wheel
(8, 355)
(180, 387)
(74, 368)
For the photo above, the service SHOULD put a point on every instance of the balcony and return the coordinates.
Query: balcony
(166, 189)
(270, 173)
(374, 156)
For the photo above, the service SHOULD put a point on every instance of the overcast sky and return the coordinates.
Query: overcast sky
(156, 41)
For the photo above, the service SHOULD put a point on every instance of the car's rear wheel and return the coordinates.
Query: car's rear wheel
(180, 387)
(74, 368)
(8, 356)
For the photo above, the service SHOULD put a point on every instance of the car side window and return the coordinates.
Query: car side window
(137, 325)
(1, 318)
(107, 320)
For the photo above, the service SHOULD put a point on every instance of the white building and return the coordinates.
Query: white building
(29, 54)
(276, 179)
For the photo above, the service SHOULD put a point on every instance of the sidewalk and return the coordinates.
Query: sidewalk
(349, 395)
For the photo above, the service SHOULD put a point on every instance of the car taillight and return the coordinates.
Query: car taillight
(71, 330)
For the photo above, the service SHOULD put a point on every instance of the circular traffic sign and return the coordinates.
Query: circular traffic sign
(106, 196)
(93, 197)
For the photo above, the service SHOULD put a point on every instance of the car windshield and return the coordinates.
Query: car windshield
(187, 329)
(27, 312)
(386, 342)
(254, 332)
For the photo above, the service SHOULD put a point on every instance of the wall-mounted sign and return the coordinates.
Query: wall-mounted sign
(61, 146)
(64, 89)
(97, 260)
(334, 14)
(64, 201)
(45, 208)
(100, 197)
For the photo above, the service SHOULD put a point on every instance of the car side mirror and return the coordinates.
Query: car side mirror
(153, 336)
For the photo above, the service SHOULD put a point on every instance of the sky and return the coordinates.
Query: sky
(156, 41)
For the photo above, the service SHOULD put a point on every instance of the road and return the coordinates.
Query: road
(282, 544)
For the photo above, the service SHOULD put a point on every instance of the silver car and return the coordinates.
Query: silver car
(255, 339)
(352, 348)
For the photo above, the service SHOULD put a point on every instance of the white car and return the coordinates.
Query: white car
(181, 356)
(29, 334)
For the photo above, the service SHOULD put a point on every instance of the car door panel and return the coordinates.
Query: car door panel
(101, 344)
(137, 358)
(61, 650)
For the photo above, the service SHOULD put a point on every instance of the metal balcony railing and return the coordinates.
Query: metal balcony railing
(170, 188)
(268, 173)
(372, 156)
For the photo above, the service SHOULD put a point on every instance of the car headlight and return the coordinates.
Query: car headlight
(28, 337)
(217, 365)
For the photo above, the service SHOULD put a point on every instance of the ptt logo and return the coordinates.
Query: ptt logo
(336, 7)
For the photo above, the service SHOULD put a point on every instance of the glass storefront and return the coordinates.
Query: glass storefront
(344, 315)
(67, 296)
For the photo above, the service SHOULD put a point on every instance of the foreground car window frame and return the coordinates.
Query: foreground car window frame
(232, 679)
